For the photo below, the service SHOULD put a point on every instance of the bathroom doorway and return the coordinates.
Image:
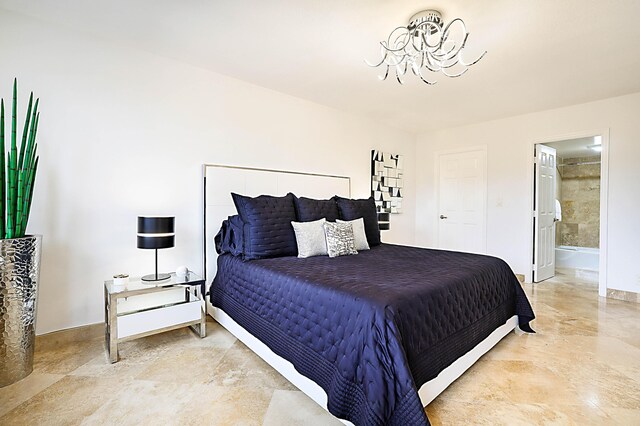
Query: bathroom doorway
(568, 195)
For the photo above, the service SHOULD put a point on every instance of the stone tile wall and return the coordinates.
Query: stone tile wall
(580, 201)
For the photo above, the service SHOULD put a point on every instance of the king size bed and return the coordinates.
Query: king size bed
(364, 335)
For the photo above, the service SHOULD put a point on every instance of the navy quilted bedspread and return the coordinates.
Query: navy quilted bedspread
(370, 329)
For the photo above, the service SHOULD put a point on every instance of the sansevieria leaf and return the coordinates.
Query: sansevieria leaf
(18, 168)
(12, 172)
(3, 183)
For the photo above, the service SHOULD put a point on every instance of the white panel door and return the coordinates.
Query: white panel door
(462, 201)
(544, 244)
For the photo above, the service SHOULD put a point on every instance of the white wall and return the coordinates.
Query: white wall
(509, 168)
(124, 133)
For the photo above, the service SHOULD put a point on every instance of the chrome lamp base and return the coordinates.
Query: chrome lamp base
(156, 277)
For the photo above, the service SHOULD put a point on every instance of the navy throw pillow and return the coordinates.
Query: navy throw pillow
(267, 225)
(309, 209)
(230, 238)
(366, 209)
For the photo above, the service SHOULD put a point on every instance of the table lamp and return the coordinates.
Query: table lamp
(156, 233)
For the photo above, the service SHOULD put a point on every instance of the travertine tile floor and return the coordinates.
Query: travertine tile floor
(582, 367)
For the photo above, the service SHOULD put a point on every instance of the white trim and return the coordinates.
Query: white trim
(604, 214)
(428, 392)
(604, 198)
(485, 187)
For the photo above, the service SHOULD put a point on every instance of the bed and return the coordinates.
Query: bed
(372, 337)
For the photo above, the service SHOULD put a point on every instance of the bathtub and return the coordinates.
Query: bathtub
(578, 258)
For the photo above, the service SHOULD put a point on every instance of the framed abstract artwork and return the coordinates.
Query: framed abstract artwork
(387, 182)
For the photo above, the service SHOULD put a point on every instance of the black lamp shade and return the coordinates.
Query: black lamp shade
(156, 225)
(156, 232)
(156, 242)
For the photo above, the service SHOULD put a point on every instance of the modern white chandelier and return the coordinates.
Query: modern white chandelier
(425, 46)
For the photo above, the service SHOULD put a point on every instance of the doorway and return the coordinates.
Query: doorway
(568, 208)
(462, 199)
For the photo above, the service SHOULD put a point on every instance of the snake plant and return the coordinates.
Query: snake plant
(17, 172)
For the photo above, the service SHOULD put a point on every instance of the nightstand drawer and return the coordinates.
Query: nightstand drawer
(154, 319)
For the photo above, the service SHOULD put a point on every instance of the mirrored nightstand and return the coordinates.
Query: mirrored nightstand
(141, 308)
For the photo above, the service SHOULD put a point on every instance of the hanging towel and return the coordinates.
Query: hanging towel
(558, 215)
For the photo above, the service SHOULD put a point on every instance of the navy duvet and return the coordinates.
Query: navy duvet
(370, 329)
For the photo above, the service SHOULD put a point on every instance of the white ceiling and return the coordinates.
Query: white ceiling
(575, 147)
(542, 54)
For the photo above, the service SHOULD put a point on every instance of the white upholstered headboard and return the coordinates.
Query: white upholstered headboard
(220, 181)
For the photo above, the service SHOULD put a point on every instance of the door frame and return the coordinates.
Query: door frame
(604, 198)
(440, 153)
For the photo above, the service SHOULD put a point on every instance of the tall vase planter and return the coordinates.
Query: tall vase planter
(19, 253)
(19, 276)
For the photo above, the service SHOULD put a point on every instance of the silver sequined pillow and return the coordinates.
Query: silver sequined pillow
(340, 239)
(310, 238)
(359, 233)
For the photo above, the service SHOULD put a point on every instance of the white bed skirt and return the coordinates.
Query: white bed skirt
(428, 392)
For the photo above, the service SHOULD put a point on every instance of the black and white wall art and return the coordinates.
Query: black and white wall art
(387, 181)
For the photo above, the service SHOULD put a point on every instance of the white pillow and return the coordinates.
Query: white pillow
(358, 232)
(310, 238)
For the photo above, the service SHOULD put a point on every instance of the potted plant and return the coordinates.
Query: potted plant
(19, 253)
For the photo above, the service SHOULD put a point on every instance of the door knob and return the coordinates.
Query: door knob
(442, 216)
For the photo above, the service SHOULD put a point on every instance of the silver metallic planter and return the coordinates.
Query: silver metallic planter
(19, 273)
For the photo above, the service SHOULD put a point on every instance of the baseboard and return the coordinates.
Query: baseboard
(82, 332)
(627, 296)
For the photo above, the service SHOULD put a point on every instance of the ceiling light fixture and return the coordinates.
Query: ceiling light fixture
(426, 45)
(597, 144)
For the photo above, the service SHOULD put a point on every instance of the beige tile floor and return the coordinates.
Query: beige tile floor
(582, 367)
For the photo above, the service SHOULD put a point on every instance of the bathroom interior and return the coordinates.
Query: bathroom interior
(578, 163)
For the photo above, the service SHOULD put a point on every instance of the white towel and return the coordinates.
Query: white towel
(558, 215)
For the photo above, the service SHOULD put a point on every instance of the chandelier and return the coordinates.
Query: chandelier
(425, 46)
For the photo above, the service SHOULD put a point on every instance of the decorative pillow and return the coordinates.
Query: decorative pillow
(340, 240)
(267, 227)
(308, 209)
(310, 238)
(221, 238)
(366, 209)
(359, 234)
(229, 238)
